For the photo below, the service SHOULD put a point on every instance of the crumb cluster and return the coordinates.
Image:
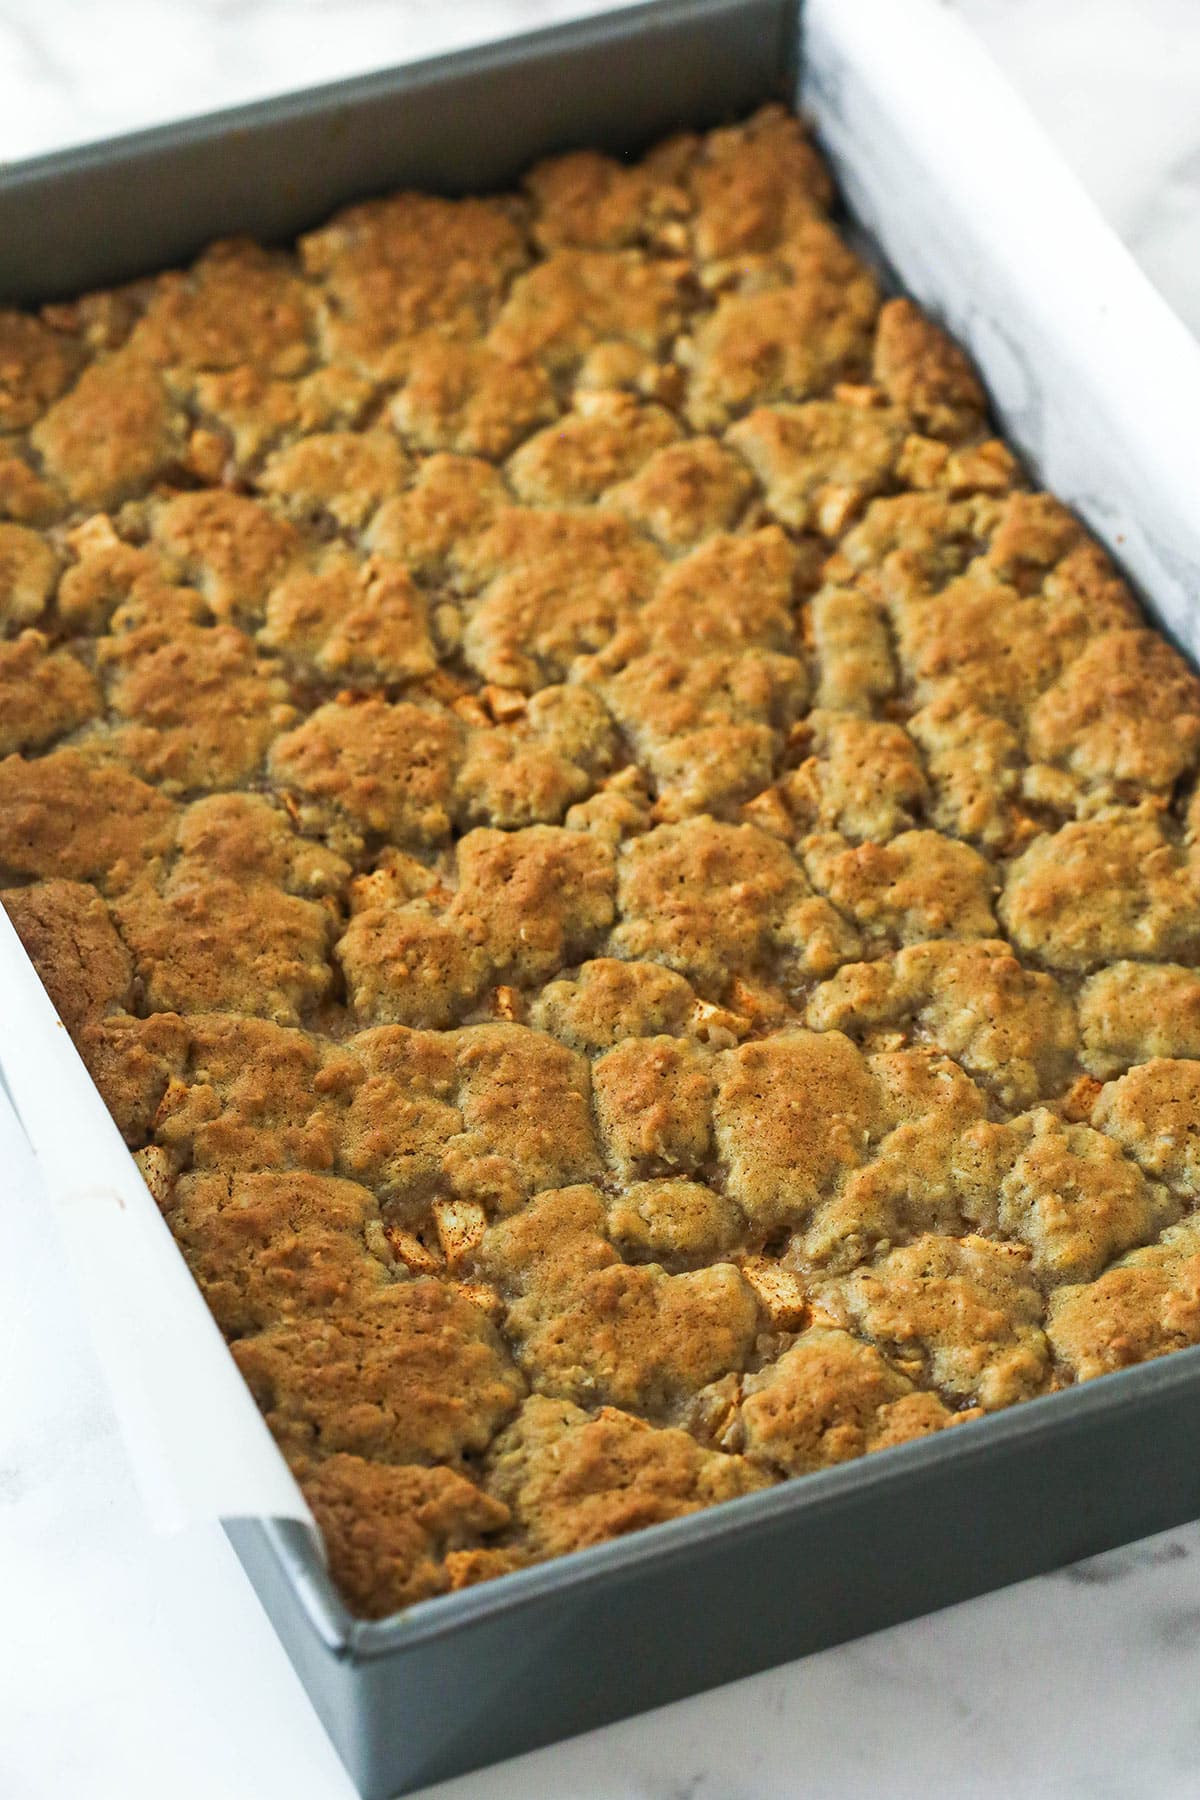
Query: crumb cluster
(633, 889)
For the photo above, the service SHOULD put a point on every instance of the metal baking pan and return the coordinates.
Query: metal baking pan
(472, 1677)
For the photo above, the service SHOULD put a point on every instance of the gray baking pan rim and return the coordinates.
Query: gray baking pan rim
(1048, 1415)
(540, 1654)
(110, 210)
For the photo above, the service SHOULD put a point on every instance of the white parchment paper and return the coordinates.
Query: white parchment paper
(198, 1444)
(1091, 374)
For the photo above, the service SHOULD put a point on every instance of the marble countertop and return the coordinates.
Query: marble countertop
(133, 1668)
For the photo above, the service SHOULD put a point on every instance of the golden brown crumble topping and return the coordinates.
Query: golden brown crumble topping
(634, 891)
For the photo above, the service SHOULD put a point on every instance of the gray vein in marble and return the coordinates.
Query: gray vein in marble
(1119, 1565)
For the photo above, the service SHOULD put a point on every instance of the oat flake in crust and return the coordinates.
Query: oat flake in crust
(633, 890)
